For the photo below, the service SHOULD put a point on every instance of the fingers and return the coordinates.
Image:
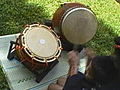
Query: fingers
(89, 52)
(59, 85)
(61, 81)
(54, 86)
(72, 54)
(73, 58)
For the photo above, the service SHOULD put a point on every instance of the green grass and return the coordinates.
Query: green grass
(14, 14)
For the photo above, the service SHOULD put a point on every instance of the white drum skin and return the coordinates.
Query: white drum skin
(79, 25)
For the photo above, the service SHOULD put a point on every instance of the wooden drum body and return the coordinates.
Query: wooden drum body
(38, 46)
(75, 23)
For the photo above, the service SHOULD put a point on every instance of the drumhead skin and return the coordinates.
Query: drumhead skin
(78, 25)
(41, 43)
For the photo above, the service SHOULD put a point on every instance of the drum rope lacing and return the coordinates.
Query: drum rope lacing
(23, 59)
(30, 59)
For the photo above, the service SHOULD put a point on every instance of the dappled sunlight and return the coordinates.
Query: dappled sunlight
(103, 41)
(108, 11)
(14, 14)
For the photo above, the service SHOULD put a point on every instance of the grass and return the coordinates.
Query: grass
(14, 14)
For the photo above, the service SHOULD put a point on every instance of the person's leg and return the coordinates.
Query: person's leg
(61, 81)
(54, 86)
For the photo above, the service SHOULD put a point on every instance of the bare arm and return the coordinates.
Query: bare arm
(90, 54)
(73, 60)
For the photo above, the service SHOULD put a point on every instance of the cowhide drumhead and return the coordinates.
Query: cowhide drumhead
(41, 42)
(78, 25)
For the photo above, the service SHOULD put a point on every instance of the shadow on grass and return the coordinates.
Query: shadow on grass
(103, 40)
(16, 13)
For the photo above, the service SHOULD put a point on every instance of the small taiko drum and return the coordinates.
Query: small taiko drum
(75, 22)
(37, 46)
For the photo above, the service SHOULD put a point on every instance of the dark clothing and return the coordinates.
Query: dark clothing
(78, 82)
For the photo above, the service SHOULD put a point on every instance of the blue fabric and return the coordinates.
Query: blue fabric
(78, 82)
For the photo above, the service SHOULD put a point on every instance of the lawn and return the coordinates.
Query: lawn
(14, 14)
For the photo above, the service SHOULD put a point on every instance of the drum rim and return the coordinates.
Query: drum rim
(68, 12)
(39, 58)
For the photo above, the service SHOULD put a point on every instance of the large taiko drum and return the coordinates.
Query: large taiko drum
(75, 22)
(38, 45)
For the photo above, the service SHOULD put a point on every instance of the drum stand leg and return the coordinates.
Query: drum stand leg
(11, 52)
(40, 76)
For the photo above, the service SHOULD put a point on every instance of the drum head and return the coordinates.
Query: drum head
(41, 42)
(78, 25)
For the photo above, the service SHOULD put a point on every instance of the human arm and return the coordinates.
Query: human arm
(76, 80)
(90, 54)
(73, 61)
